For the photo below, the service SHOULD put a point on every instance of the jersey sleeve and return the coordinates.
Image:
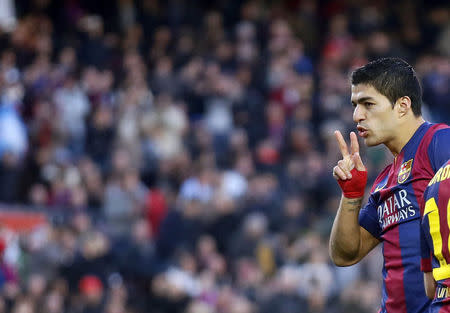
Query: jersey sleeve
(425, 251)
(439, 148)
(368, 218)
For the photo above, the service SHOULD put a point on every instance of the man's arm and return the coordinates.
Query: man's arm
(349, 242)
(425, 257)
(430, 284)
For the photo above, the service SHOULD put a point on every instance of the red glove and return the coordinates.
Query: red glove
(354, 187)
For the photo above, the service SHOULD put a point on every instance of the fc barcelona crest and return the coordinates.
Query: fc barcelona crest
(405, 170)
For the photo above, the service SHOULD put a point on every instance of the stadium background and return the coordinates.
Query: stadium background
(175, 156)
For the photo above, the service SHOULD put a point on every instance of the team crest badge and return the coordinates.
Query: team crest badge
(405, 170)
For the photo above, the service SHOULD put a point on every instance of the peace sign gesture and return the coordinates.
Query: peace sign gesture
(350, 172)
(349, 161)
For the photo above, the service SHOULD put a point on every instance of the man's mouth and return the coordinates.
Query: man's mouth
(362, 131)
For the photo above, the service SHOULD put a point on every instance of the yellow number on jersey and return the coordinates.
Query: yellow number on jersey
(443, 271)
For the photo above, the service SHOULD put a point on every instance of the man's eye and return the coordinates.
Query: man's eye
(368, 104)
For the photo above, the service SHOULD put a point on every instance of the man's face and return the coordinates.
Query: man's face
(376, 119)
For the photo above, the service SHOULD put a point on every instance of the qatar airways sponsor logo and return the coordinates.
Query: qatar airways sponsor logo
(395, 209)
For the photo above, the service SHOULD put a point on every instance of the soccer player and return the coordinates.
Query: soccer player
(435, 240)
(386, 96)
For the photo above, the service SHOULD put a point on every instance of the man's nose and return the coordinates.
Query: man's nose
(358, 114)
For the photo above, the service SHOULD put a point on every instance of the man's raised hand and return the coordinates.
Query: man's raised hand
(350, 171)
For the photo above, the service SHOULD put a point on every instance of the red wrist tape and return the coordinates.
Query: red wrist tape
(354, 187)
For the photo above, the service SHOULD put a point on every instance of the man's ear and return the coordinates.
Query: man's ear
(403, 105)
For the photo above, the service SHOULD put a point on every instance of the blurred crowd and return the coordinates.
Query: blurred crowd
(182, 150)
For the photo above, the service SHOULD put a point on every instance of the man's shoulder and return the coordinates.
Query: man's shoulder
(441, 131)
(440, 135)
(438, 129)
(431, 133)
(439, 185)
(437, 145)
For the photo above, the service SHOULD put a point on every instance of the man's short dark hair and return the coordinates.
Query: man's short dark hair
(393, 78)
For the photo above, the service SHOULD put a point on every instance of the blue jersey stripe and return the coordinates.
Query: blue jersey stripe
(412, 276)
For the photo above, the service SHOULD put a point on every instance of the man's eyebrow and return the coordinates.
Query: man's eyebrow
(363, 99)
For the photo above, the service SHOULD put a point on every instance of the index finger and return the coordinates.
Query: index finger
(342, 143)
(354, 144)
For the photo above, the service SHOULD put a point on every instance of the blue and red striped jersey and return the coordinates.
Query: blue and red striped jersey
(392, 214)
(435, 236)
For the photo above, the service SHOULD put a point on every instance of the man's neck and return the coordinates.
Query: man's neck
(404, 135)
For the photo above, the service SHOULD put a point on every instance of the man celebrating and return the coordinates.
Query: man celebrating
(386, 95)
(435, 240)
